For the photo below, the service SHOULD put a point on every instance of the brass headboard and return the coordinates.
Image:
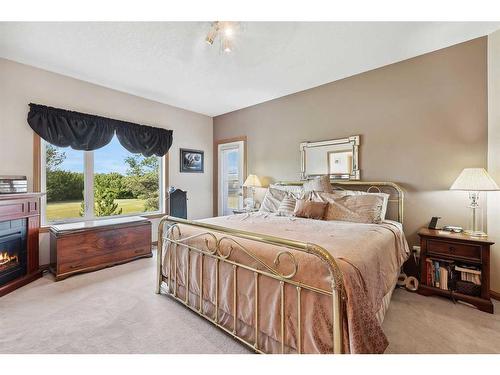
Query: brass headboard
(396, 194)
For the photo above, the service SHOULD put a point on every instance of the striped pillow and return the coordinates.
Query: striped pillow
(272, 200)
(287, 206)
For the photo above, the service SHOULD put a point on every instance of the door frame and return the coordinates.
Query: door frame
(243, 139)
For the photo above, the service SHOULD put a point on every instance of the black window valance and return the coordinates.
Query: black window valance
(82, 131)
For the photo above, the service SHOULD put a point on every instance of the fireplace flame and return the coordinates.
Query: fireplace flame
(6, 258)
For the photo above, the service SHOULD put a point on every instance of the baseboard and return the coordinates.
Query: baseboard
(495, 295)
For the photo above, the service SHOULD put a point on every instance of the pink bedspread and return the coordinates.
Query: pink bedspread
(369, 255)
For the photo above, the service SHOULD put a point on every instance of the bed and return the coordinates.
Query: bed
(286, 284)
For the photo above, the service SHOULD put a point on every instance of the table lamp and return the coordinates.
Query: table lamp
(252, 182)
(475, 180)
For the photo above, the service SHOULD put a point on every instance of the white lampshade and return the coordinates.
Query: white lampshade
(252, 181)
(474, 179)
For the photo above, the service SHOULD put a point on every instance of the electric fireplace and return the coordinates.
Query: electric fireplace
(19, 227)
(12, 250)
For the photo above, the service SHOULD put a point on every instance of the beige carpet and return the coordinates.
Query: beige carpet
(116, 311)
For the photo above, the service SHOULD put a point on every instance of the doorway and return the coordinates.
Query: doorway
(231, 175)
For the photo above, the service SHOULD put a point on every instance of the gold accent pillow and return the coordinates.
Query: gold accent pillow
(310, 209)
(321, 183)
(365, 208)
(336, 194)
(296, 191)
(320, 196)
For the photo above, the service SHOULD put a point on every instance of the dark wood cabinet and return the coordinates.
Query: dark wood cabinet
(462, 249)
(77, 248)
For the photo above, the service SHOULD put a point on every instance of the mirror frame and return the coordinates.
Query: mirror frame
(353, 141)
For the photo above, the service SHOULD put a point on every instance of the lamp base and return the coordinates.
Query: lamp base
(475, 233)
(476, 216)
(248, 204)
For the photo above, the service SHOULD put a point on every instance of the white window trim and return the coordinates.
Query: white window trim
(88, 174)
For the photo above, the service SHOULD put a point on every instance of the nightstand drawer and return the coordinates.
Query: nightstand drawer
(454, 249)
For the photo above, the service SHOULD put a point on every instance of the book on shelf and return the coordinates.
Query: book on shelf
(430, 272)
(437, 281)
(443, 274)
(443, 277)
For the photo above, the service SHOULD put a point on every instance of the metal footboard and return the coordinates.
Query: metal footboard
(213, 237)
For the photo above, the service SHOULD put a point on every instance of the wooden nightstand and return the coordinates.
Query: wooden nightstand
(462, 250)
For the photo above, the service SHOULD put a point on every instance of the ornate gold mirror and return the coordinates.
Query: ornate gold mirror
(337, 158)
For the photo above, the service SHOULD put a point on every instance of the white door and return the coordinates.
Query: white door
(231, 163)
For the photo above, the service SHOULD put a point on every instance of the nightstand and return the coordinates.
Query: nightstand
(243, 211)
(456, 249)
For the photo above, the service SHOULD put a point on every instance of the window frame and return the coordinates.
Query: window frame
(40, 183)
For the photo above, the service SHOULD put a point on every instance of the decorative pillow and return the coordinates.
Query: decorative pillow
(310, 209)
(385, 196)
(336, 194)
(287, 206)
(320, 196)
(272, 200)
(296, 191)
(360, 208)
(321, 183)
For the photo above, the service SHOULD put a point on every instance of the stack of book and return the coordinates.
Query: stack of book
(470, 274)
(443, 274)
(440, 273)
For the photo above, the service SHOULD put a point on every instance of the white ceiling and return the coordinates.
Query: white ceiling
(169, 61)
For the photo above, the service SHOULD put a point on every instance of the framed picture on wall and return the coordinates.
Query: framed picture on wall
(192, 161)
(339, 163)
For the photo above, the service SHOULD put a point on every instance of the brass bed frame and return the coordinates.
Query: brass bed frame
(170, 238)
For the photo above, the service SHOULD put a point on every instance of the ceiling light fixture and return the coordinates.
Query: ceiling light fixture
(225, 30)
(228, 31)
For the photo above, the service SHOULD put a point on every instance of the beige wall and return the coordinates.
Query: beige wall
(421, 121)
(494, 152)
(22, 84)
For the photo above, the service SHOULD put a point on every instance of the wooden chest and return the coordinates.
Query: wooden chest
(85, 247)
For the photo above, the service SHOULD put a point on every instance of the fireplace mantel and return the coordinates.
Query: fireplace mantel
(23, 206)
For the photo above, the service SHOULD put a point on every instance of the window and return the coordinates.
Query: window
(64, 183)
(110, 181)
